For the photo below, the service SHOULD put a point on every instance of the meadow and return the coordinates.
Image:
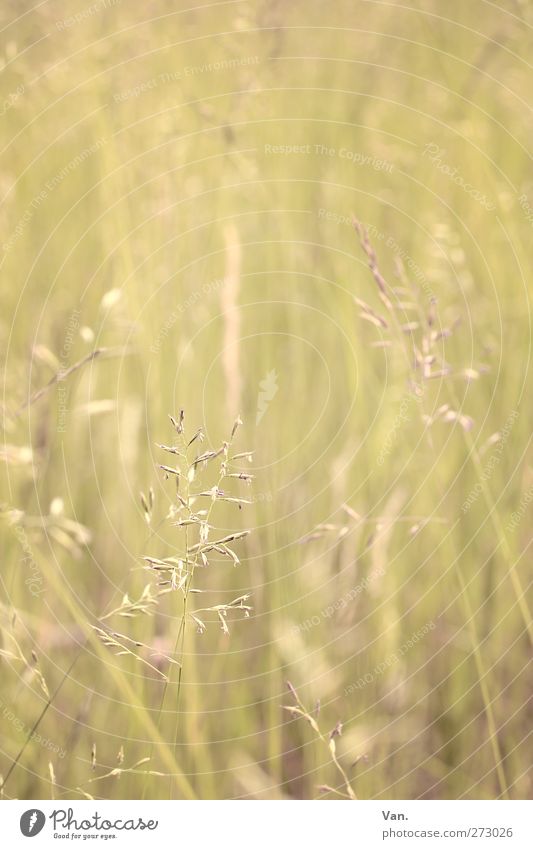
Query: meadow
(266, 474)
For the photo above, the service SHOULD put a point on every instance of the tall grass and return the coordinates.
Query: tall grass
(178, 193)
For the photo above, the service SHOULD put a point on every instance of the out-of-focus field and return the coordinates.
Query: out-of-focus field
(178, 186)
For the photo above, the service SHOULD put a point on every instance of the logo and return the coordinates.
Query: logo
(32, 822)
(268, 388)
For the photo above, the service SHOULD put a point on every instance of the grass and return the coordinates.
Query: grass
(179, 195)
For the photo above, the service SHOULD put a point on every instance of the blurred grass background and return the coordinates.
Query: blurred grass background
(150, 207)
